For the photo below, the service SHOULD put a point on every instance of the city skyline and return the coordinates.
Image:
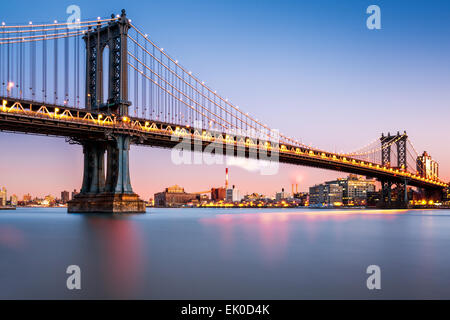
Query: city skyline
(400, 86)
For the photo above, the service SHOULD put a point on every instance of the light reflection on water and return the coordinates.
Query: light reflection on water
(225, 254)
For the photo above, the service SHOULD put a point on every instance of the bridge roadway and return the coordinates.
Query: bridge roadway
(24, 116)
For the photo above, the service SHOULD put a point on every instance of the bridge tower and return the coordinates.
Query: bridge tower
(113, 193)
(387, 142)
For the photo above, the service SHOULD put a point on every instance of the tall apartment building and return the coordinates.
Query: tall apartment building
(3, 196)
(427, 167)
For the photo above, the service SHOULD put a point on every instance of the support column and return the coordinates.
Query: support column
(402, 195)
(94, 172)
(118, 172)
(386, 194)
(114, 196)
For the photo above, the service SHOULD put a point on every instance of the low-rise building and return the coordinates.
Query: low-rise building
(281, 195)
(233, 195)
(174, 196)
(218, 194)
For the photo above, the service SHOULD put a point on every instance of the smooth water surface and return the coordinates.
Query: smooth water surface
(225, 254)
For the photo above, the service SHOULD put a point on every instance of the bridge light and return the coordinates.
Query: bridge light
(124, 119)
(10, 85)
(56, 110)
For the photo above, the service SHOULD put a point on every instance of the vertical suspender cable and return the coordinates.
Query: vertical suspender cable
(66, 68)
(21, 69)
(55, 77)
(136, 103)
(8, 56)
(44, 69)
(2, 81)
(144, 83)
(33, 69)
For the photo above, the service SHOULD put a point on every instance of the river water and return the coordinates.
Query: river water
(225, 254)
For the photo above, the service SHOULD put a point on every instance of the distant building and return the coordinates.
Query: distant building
(427, 167)
(355, 189)
(26, 198)
(327, 194)
(14, 200)
(352, 190)
(218, 194)
(74, 193)
(174, 196)
(233, 195)
(254, 196)
(3, 196)
(281, 195)
(373, 198)
(446, 196)
(65, 196)
(302, 198)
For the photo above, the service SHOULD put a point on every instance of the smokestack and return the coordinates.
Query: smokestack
(292, 188)
(226, 178)
(296, 188)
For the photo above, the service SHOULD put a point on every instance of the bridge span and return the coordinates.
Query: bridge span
(171, 108)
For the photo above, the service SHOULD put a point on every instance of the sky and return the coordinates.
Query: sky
(311, 69)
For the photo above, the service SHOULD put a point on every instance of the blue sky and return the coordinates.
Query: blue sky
(310, 68)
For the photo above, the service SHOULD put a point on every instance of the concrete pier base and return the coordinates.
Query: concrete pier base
(106, 203)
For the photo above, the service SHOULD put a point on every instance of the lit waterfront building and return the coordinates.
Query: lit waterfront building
(14, 200)
(65, 196)
(446, 197)
(281, 195)
(354, 191)
(427, 167)
(327, 194)
(174, 196)
(3, 196)
(218, 194)
(233, 195)
(27, 198)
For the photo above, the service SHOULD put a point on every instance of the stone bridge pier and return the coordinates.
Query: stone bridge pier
(111, 193)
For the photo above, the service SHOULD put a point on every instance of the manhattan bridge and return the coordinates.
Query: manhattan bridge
(104, 84)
